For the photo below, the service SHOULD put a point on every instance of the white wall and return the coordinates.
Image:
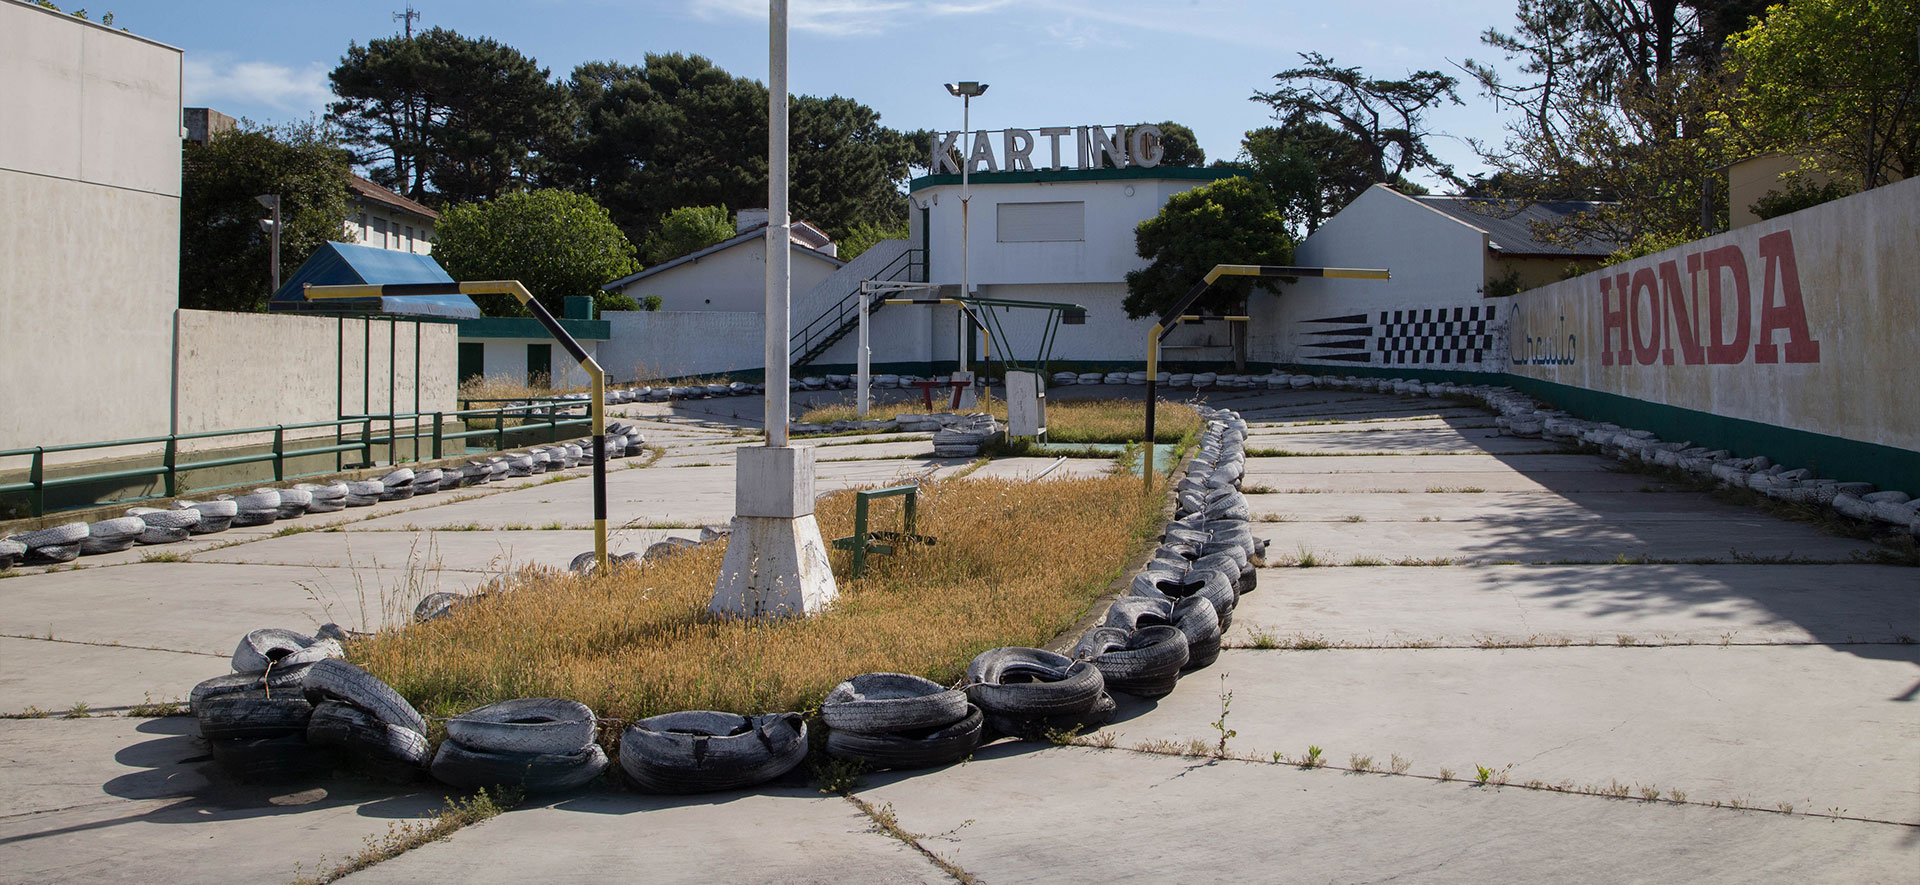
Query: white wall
(1815, 327)
(89, 229)
(404, 232)
(507, 358)
(677, 344)
(1114, 207)
(1437, 263)
(259, 369)
(732, 279)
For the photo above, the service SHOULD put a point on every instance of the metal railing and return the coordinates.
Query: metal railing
(534, 418)
(833, 322)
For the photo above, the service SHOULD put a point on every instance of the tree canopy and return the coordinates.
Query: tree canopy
(688, 229)
(1386, 118)
(444, 118)
(1839, 79)
(1182, 146)
(557, 243)
(224, 254)
(1231, 221)
(680, 131)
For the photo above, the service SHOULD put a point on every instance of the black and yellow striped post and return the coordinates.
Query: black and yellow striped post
(598, 406)
(1178, 312)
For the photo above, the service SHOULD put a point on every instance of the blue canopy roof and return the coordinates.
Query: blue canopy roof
(336, 264)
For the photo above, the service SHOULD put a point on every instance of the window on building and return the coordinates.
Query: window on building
(409, 239)
(1041, 222)
(379, 233)
(473, 360)
(539, 365)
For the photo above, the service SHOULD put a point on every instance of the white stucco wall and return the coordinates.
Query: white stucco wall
(675, 344)
(732, 279)
(1438, 264)
(1813, 327)
(89, 229)
(507, 358)
(1114, 207)
(403, 232)
(255, 370)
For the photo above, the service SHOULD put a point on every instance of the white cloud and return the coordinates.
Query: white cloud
(215, 80)
(1076, 35)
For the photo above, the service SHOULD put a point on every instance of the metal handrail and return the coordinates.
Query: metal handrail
(835, 317)
(547, 415)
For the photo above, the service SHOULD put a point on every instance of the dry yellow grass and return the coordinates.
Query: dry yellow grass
(1016, 563)
(1068, 421)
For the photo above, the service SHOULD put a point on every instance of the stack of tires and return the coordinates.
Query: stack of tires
(896, 720)
(165, 526)
(112, 535)
(215, 516)
(1030, 692)
(700, 751)
(260, 507)
(328, 498)
(255, 720)
(964, 437)
(538, 745)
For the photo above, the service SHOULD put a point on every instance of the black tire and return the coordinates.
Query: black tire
(261, 648)
(700, 751)
(284, 758)
(53, 554)
(355, 734)
(542, 726)
(1214, 584)
(470, 769)
(1227, 563)
(1029, 683)
(1133, 612)
(877, 703)
(253, 714)
(1179, 535)
(1040, 729)
(1196, 617)
(278, 681)
(334, 679)
(434, 605)
(1229, 508)
(924, 748)
(1145, 663)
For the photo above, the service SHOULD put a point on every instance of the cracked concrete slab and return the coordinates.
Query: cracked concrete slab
(1082, 815)
(1758, 724)
(1748, 537)
(774, 834)
(116, 800)
(1669, 604)
(53, 676)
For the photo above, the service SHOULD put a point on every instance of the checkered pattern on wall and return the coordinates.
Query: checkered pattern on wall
(1434, 336)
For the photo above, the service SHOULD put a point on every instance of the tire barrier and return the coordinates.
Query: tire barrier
(1028, 692)
(701, 751)
(538, 745)
(1145, 662)
(963, 438)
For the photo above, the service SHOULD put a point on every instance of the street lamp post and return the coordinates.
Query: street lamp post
(272, 226)
(965, 90)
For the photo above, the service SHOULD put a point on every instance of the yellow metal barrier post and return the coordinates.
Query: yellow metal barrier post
(598, 377)
(1178, 312)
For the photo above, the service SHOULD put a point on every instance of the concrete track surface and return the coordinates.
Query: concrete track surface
(1512, 662)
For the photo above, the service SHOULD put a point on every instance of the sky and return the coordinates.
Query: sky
(1047, 62)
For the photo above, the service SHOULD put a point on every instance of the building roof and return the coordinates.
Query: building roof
(798, 244)
(336, 264)
(367, 190)
(1509, 226)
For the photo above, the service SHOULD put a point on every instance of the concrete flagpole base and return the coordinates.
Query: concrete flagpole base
(776, 563)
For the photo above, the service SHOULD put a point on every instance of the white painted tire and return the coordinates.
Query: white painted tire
(117, 528)
(264, 648)
(225, 508)
(57, 536)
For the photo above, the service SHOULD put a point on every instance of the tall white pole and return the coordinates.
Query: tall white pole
(862, 385)
(779, 232)
(966, 166)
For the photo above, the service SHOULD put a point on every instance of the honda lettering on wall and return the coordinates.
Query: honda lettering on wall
(1649, 314)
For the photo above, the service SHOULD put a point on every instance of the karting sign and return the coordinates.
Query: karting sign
(1091, 147)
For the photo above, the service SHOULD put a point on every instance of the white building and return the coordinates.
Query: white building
(89, 228)
(382, 219)
(731, 275)
(1452, 259)
(1057, 235)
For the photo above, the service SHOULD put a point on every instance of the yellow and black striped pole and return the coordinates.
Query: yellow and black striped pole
(1178, 312)
(597, 408)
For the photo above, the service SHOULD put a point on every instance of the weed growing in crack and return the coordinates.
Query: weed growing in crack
(1399, 764)
(1220, 724)
(1359, 764)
